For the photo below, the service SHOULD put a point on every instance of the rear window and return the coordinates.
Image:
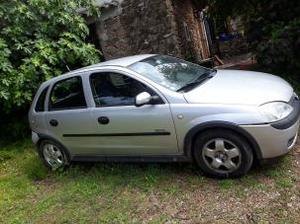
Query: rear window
(67, 94)
(40, 104)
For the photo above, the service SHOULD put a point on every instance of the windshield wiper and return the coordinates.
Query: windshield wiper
(202, 78)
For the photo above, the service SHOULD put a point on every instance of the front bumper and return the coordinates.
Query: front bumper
(271, 141)
(277, 138)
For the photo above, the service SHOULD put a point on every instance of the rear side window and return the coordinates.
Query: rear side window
(40, 104)
(67, 94)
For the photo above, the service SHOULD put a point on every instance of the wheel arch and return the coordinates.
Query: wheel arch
(43, 137)
(201, 128)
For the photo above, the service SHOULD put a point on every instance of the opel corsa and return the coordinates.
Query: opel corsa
(160, 108)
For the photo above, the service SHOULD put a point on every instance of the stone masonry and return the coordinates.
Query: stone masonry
(129, 27)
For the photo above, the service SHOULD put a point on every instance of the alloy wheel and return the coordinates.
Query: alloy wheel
(221, 155)
(53, 156)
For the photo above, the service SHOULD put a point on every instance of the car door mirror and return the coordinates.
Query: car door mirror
(142, 99)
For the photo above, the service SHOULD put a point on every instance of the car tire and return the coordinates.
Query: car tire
(53, 154)
(222, 153)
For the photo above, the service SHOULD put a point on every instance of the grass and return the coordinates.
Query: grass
(142, 193)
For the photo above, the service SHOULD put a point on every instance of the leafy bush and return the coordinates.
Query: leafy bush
(273, 31)
(38, 38)
(274, 34)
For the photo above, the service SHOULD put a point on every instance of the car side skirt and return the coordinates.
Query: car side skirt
(101, 158)
(106, 158)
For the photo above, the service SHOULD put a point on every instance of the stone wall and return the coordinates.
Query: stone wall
(113, 38)
(141, 27)
(150, 26)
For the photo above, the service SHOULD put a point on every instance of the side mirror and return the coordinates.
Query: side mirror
(142, 99)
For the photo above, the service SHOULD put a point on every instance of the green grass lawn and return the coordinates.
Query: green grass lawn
(143, 193)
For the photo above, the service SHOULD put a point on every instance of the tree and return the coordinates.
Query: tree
(272, 30)
(274, 36)
(220, 10)
(38, 38)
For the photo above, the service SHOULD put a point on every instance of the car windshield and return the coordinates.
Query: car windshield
(172, 73)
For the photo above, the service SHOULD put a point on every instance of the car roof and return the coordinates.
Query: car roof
(120, 62)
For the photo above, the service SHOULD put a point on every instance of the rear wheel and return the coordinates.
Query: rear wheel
(53, 154)
(222, 153)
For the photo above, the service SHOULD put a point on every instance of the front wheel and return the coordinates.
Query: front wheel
(222, 153)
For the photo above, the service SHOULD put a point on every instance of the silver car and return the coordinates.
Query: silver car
(160, 108)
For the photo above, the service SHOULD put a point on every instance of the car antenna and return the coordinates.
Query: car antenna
(66, 65)
(68, 68)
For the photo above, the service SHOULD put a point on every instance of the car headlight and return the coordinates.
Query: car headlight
(275, 111)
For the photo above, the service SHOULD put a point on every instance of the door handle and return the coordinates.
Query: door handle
(53, 122)
(103, 120)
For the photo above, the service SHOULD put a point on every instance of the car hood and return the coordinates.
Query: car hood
(241, 87)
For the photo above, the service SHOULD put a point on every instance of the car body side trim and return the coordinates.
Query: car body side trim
(118, 134)
(188, 140)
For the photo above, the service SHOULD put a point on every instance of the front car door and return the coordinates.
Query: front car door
(124, 129)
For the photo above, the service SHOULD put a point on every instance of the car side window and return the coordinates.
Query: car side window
(40, 104)
(67, 94)
(114, 89)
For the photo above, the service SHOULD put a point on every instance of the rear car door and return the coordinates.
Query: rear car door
(37, 115)
(125, 129)
(68, 115)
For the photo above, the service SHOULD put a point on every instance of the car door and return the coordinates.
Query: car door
(125, 129)
(37, 115)
(68, 118)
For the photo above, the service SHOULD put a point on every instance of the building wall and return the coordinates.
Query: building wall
(141, 27)
(151, 27)
(114, 39)
(129, 27)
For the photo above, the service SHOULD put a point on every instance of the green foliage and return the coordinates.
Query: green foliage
(274, 34)
(221, 10)
(37, 39)
(35, 170)
(138, 193)
(272, 30)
